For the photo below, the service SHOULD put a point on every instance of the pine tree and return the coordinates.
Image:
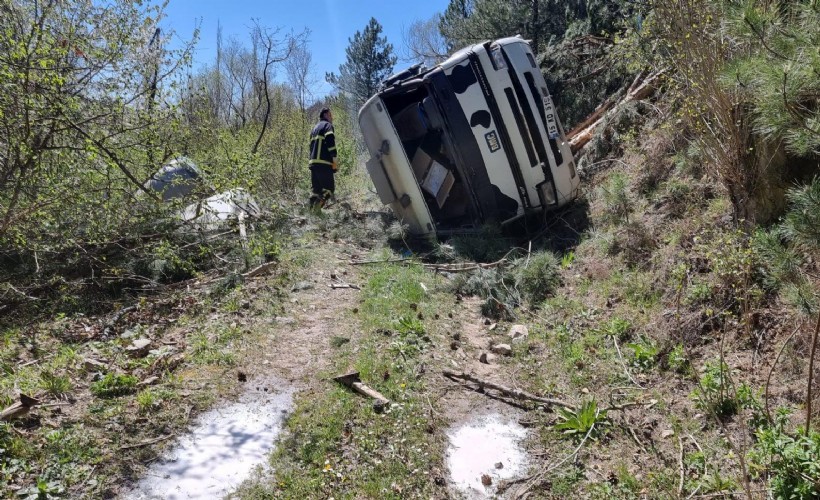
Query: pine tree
(370, 60)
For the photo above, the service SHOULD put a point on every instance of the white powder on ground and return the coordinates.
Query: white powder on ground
(220, 452)
(476, 447)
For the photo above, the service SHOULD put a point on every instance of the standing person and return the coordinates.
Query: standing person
(322, 161)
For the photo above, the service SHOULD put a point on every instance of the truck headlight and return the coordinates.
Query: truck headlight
(547, 193)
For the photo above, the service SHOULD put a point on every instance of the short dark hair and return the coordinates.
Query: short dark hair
(323, 112)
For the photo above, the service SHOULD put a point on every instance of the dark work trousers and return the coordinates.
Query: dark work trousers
(322, 183)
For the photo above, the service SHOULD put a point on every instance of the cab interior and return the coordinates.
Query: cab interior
(420, 126)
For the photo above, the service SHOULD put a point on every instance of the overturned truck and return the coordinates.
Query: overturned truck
(472, 141)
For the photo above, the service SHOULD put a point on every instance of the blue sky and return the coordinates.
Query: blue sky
(331, 23)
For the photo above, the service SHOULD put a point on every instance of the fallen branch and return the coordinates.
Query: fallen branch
(258, 270)
(513, 393)
(623, 363)
(116, 318)
(388, 261)
(343, 285)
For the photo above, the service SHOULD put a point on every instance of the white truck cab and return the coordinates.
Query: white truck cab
(474, 140)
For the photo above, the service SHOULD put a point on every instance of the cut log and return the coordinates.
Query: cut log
(18, 409)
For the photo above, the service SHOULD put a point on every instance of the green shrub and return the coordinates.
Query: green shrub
(644, 354)
(677, 360)
(111, 385)
(588, 419)
(715, 393)
(616, 198)
(791, 461)
(539, 277)
(618, 327)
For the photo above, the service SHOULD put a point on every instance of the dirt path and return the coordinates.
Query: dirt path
(296, 346)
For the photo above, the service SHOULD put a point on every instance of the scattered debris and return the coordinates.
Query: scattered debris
(486, 480)
(352, 380)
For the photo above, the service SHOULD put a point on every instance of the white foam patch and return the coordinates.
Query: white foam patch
(475, 448)
(221, 451)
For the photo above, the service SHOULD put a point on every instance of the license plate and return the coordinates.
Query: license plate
(552, 124)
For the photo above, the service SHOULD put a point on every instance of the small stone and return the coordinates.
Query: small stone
(486, 480)
(487, 321)
(334, 274)
(493, 326)
(499, 465)
(486, 358)
(139, 347)
(302, 285)
(503, 349)
(667, 433)
(519, 332)
(284, 320)
(92, 365)
(585, 390)
(150, 380)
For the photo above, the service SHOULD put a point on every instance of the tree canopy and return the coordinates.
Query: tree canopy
(370, 60)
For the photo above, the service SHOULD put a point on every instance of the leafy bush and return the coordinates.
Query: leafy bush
(111, 385)
(791, 461)
(677, 360)
(618, 328)
(644, 354)
(715, 393)
(539, 277)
